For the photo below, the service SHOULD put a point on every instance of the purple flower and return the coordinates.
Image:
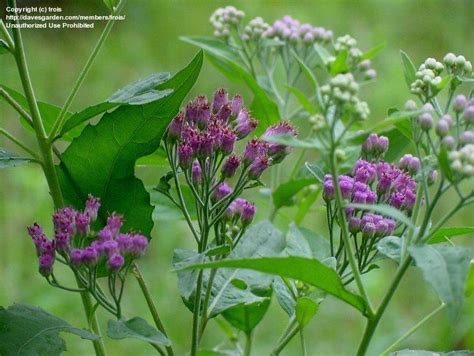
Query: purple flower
(64, 220)
(114, 223)
(185, 156)
(354, 225)
(254, 149)
(410, 163)
(92, 207)
(346, 186)
(115, 262)
(258, 166)
(368, 230)
(110, 247)
(426, 121)
(175, 127)
(227, 142)
(90, 256)
(139, 245)
(106, 234)
(203, 112)
(469, 114)
(230, 166)
(359, 197)
(248, 212)
(223, 114)
(459, 103)
(124, 243)
(397, 199)
(375, 146)
(236, 105)
(278, 151)
(82, 223)
(328, 190)
(467, 137)
(244, 124)
(196, 172)
(46, 265)
(206, 145)
(442, 128)
(75, 257)
(62, 241)
(221, 98)
(221, 191)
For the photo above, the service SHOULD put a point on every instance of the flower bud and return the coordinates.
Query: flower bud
(46, 265)
(82, 223)
(175, 127)
(328, 190)
(354, 225)
(115, 262)
(466, 137)
(90, 256)
(449, 59)
(221, 191)
(448, 142)
(432, 177)
(368, 230)
(185, 156)
(247, 214)
(256, 169)
(442, 128)
(469, 115)
(230, 166)
(459, 103)
(410, 105)
(196, 172)
(426, 121)
(221, 98)
(75, 257)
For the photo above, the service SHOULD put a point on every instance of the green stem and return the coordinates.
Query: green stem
(276, 351)
(373, 322)
(345, 233)
(303, 343)
(196, 312)
(8, 38)
(20, 144)
(151, 305)
(248, 343)
(413, 329)
(49, 168)
(82, 76)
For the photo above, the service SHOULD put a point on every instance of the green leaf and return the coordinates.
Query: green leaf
(214, 46)
(445, 268)
(409, 70)
(284, 296)
(371, 53)
(310, 271)
(432, 353)
(444, 164)
(3, 47)
(302, 100)
(386, 210)
(11, 159)
(442, 84)
(322, 53)
(317, 170)
(166, 210)
(469, 290)
(447, 232)
(110, 4)
(399, 144)
(136, 328)
(306, 71)
(284, 193)
(186, 278)
(29, 331)
(305, 205)
(306, 309)
(290, 140)
(142, 91)
(391, 247)
(121, 137)
(340, 63)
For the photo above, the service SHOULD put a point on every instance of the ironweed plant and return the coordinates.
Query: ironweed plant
(379, 186)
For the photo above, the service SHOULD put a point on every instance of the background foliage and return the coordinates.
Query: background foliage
(148, 42)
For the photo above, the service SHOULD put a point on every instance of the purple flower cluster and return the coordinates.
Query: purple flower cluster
(240, 209)
(375, 182)
(70, 228)
(288, 28)
(206, 131)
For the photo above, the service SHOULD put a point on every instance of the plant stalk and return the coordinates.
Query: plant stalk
(151, 305)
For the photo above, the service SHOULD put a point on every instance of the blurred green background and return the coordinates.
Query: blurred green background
(147, 41)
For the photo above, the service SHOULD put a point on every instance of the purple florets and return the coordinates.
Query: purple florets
(73, 235)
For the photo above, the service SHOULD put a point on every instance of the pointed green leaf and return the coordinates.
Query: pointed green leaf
(121, 137)
(306, 309)
(3, 47)
(371, 53)
(469, 290)
(409, 69)
(445, 165)
(284, 193)
(307, 270)
(306, 71)
(445, 268)
(29, 331)
(136, 328)
(340, 63)
(302, 100)
(447, 232)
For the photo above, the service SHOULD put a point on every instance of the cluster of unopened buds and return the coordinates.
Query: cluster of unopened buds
(78, 246)
(224, 19)
(293, 31)
(454, 132)
(354, 54)
(201, 141)
(343, 89)
(428, 76)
